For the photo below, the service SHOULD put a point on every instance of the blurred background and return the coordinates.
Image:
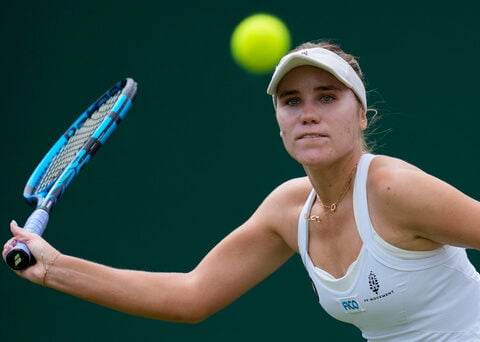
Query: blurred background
(202, 135)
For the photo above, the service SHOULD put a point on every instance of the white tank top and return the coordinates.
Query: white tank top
(392, 294)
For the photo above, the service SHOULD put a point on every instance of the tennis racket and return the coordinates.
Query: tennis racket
(66, 159)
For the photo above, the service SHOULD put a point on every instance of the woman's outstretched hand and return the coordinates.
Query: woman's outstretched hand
(41, 250)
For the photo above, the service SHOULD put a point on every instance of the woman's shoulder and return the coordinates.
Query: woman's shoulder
(394, 188)
(385, 168)
(286, 201)
(281, 209)
(293, 190)
(388, 177)
(386, 161)
(412, 209)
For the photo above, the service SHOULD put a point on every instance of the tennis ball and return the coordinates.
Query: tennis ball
(258, 42)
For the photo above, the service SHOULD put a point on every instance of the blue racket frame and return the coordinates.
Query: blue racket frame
(45, 199)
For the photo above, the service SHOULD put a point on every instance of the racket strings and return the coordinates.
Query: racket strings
(75, 143)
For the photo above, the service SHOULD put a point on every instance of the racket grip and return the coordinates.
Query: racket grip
(20, 257)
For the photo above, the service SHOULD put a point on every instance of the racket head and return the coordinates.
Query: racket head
(78, 144)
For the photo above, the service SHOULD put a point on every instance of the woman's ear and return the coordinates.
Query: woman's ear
(363, 119)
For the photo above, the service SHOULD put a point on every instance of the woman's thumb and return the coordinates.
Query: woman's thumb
(15, 229)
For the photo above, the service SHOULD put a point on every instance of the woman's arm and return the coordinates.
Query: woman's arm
(419, 210)
(241, 260)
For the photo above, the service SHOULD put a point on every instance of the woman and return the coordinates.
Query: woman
(383, 242)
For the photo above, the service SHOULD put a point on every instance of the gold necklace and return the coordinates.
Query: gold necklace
(332, 207)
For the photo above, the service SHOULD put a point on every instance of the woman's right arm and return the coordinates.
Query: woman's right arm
(240, 261)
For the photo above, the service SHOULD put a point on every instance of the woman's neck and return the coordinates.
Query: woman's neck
(331, 182)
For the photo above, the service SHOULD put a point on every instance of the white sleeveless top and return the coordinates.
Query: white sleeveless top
(392, 294)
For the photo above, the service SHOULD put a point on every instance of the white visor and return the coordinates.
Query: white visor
(323, 59)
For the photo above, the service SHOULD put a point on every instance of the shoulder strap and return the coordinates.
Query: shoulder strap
(360, 201)
(302, 231)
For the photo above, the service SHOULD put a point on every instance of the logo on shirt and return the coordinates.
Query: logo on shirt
(350, 305)
(373, 282)
(374, 285)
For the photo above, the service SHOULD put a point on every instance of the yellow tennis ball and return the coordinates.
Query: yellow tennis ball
(259, 41)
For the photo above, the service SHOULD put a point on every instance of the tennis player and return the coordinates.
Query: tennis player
(383, 242)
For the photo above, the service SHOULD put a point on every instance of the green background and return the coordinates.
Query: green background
(200, 148)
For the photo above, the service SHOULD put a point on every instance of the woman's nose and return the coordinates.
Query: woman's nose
(310, 114)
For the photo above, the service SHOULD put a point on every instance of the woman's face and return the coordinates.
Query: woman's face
(320, 118)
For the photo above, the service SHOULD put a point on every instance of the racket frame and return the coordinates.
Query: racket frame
(20, 256)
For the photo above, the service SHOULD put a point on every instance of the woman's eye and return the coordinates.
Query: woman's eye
(293, 101)
(327, 98)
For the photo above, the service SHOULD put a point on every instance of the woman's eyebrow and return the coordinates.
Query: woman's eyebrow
(288, 93)
(319, 88)
(328, 87)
